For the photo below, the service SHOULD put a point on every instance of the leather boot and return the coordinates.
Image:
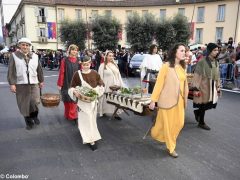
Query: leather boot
(29, 123)
(202, 123)
(34, 116)
(196, 114)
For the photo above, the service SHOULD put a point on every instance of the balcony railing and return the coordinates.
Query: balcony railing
(42, 39)
(41, 19)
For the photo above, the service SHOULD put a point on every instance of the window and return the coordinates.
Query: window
(78, 13)
(162, 14)
(61, 14)
(199, 34)
(108, 13)
(94, 13)
(221, 13)
(41, 14)
(181, 11)
(42, 32)
(219, 33)
(41, 11)
(144, 12)
(200, 14)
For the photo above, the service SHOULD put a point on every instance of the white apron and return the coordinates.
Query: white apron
(87, 115)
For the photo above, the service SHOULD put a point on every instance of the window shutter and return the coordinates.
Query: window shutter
(46, 32)
(38, 32)
(46, 12)
(36, 11)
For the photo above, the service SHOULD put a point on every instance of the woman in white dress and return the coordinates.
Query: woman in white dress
(110, 74)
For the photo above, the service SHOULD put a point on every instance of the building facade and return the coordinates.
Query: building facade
(7, 9)
(40, 20)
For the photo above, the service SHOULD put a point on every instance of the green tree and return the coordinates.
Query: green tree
(73, 32)
(105, 32)
(165, 34)
(181, 26)
(140, 31)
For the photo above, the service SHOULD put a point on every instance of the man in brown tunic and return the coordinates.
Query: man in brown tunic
(25, 77)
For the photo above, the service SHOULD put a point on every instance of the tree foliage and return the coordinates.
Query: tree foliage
(165, 34)
(105, 32)
(140, 31)
(172, 31)
(181, 26)
(73, 32)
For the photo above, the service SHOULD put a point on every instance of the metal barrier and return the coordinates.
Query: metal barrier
(226, 73)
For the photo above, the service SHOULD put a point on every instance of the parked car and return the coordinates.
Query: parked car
(195, 46)
(135, 63)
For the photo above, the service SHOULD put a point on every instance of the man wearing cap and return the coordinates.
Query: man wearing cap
(206, 84)
(25, 77)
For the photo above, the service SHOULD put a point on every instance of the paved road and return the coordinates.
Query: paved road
(54, 149)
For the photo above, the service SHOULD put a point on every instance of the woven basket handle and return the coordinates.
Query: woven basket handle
(40, 89)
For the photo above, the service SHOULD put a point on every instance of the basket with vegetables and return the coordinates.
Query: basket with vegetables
(86, 94)
(130, 91)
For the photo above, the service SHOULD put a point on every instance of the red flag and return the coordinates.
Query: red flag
(191, 27)
(54, 35)
(120, 35)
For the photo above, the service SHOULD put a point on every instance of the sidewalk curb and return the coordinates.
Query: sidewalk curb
(227, 90)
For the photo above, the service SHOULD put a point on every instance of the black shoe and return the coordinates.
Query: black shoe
(196, 115)
(118, 118)
(204, 126)
(29, 123)
(36, 121)
(93, 147)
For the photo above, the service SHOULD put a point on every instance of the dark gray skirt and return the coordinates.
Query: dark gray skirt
(28, 98)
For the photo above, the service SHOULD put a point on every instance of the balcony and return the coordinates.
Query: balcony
(41, 19)
(42, 40)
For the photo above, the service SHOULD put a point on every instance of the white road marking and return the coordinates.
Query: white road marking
(54, 75)
(231, 91)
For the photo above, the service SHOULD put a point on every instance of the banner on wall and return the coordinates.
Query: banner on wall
(5, 31)
(191, 26)
(119, 35)
(51, 30)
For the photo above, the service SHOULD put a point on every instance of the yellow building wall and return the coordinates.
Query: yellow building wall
(209, 25)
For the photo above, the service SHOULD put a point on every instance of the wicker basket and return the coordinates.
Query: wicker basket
(50, 100)
(84, 98)
(189, 78)
(115, 88)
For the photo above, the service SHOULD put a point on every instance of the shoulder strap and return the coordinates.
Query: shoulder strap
(80, 75)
